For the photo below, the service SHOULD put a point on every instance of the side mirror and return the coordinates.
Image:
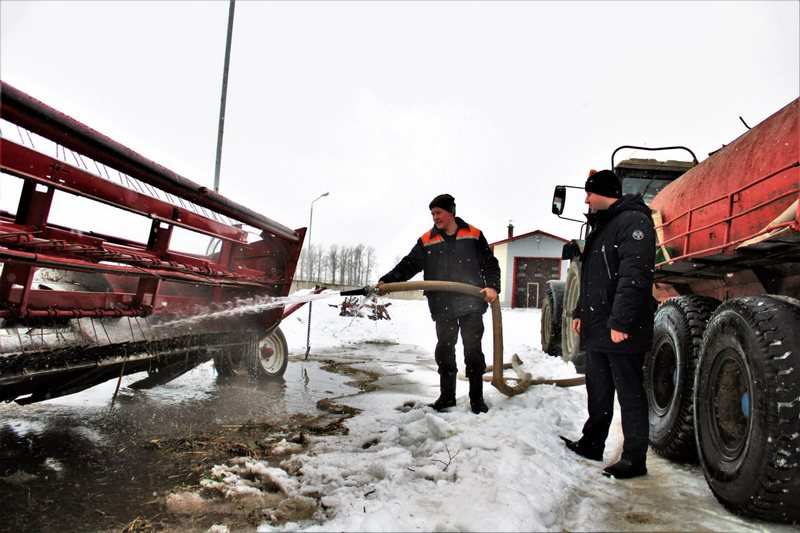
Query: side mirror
(559, 198)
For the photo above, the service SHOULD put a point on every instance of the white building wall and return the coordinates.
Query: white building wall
(501, 254)
(536, 245)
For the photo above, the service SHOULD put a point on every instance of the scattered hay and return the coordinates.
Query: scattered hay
(365, 379)
(139, 525)
(635, 517)
(246, 490)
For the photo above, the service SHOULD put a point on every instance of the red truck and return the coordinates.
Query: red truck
(723, 375)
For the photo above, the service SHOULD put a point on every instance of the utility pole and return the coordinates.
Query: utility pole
(224, 95)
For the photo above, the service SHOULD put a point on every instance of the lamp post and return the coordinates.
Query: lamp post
(310, 264)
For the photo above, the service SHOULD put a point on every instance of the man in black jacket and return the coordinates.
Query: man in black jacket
(614, 318)
(454, 251)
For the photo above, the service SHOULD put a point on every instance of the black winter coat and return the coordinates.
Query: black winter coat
(465, 257)
(617, 278)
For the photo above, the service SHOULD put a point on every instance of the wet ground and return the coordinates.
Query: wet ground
(78, 464)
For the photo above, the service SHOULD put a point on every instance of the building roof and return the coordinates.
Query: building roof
(527, 235)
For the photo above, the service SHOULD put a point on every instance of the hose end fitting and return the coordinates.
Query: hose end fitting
(367, 290)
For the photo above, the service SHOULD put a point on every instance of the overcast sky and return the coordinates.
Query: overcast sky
(387, 104)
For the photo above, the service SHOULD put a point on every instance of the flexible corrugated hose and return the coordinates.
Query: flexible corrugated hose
(498, 380)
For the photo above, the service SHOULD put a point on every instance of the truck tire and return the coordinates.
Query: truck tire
(747, 407)
(268, 358)
(229, 362)
(551, 318)
(669, 374)
(570, 342)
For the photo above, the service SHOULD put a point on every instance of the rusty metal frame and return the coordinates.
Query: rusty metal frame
(726, 218)
(137, 272)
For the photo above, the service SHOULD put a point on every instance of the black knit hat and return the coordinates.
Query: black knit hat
(444, 201)
(605, 183)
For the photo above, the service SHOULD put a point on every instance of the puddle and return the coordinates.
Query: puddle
(76, 464)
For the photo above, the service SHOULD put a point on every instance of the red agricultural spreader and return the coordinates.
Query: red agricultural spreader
(92, 283)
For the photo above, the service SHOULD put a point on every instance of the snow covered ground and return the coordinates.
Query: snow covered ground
(404, 467)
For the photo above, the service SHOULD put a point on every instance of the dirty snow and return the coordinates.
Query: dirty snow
(404, 467)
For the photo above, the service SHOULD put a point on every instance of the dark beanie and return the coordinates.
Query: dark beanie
(605, 183)
(444, 201)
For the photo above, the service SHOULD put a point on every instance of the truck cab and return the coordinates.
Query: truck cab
(648, 176)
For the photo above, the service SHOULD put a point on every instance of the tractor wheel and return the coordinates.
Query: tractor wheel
(551, 318)
(268, 357)
(570, 349)
(229, 362)
(669, 374)
(747, 406)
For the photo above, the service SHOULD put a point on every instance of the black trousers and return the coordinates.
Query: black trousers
(606, 373)
(447, 328)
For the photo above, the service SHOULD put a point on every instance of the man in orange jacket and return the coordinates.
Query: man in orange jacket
(454, 251)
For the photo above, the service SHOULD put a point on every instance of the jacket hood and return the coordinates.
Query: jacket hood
(631, 202)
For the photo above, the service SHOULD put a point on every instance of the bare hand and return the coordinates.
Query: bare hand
(490, 294)
(618, 336)
(576, 326)
(378, 288)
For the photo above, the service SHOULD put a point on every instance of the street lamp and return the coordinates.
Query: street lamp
(311, 216)
(310, 264)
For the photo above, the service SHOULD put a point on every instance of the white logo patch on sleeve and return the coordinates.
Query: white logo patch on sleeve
(637, 235)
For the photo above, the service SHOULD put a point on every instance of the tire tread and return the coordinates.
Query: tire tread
(775, 493)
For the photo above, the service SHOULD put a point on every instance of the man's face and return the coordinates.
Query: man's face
(442, 218)
(598, 203)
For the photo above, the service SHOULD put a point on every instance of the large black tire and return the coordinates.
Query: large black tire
(669, 374)
(570, 342)
(230, 362)
(551, 318)
(747, 407)
(268, 357)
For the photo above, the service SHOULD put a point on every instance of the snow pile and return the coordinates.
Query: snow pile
(246, 477)
(246, 488)
(422, 470)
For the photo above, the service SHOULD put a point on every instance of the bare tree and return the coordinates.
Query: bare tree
(346, 265)
(358, 259)
(371, 259)
(333, 261)
(302, 269)
(319, 263)
(346, 254)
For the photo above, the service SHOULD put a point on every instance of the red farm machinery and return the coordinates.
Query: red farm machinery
(79, 306)
(723, 376)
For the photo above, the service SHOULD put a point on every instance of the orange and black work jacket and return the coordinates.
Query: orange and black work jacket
(464, 257)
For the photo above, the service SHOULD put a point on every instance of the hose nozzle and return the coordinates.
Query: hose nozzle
(367, 290)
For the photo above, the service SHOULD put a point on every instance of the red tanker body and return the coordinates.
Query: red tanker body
(736, 211)
(723, 375)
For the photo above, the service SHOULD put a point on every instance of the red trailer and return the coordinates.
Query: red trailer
(82, 306)
(723, 376)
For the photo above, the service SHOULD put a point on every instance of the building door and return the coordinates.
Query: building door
(530, 276)
(533, 295)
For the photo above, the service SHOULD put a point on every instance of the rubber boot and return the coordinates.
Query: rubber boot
(476, 395)
(447, 393)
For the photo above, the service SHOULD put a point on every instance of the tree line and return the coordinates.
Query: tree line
(344, 265)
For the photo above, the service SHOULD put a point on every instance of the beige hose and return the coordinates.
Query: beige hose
(498, 380)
